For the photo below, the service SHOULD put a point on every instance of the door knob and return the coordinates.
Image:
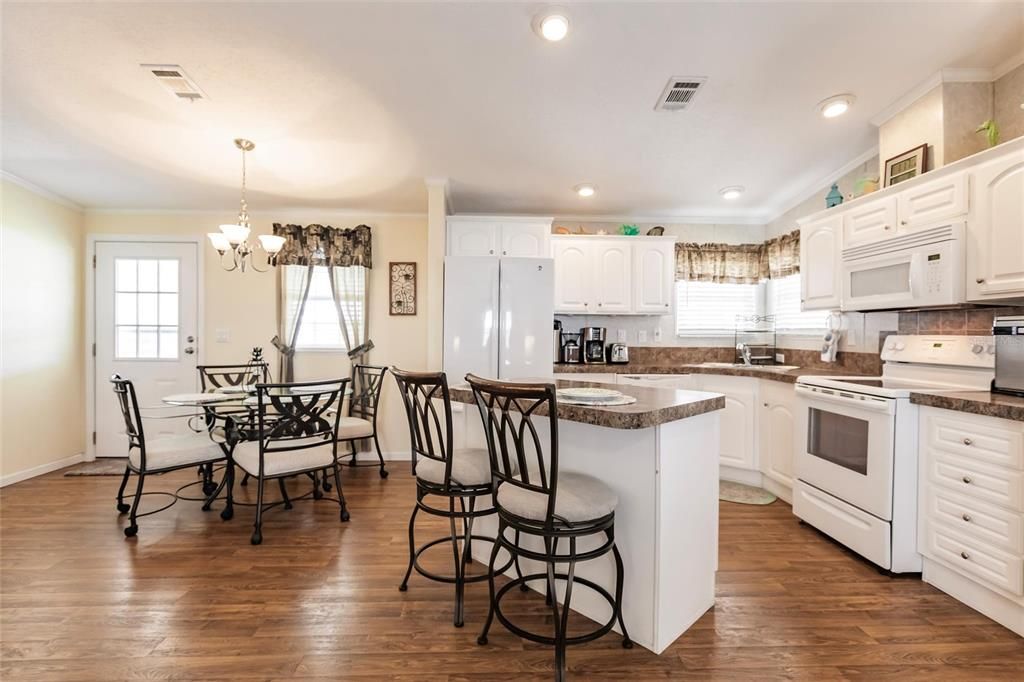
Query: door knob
(190, 339)
(190, 350)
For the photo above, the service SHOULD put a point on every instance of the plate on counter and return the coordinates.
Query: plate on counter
(589, 395)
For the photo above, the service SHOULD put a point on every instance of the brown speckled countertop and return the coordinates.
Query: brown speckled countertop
(974, 402)
(788, 376)
(654, 406)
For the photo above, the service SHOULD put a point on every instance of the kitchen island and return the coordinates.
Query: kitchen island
(660, 456)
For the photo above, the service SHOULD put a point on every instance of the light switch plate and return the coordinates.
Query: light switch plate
(223, 335)
(657, 334)
(641, 336)
(780, 358)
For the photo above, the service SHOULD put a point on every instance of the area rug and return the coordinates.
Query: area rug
(743, 494)
(104, 466)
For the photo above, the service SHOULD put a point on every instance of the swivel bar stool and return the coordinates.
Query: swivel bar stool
(536, 500)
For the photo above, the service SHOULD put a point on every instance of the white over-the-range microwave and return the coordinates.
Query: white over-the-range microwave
(920, 269)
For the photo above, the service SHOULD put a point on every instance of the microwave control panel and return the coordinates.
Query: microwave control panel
(933, 272)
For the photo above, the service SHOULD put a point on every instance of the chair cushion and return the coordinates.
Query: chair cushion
(354, 427)
(578, 498)
(247, 457)
(177, 451)
(469, 467)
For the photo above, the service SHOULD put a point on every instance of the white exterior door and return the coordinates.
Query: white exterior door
(613, 263)
(146, 330)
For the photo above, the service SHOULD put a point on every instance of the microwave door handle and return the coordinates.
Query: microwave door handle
(915, 261)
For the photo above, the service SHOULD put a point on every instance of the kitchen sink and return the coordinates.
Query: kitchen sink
(763, 368)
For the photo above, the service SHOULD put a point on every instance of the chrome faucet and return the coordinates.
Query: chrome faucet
(744, 351)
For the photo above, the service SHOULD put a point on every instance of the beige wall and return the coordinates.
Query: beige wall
(786, 222)
(965, 106)
(244, 303)
(41, 352)
(919, 123)
(1007, 98)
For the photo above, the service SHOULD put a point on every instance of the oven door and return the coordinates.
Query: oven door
(847, 446)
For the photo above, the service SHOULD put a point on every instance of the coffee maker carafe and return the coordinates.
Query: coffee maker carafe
(593, 339)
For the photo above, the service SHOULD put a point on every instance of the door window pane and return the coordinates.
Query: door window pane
(839, 439)
(126, 342)
(148, 344)
(125, 270)
(147, 308)
(148, 280)
(168, 343)
(146, 311)
(168, 275)
(125, 310)
(168, 316)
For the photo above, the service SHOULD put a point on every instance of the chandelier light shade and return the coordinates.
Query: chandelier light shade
(235, 237)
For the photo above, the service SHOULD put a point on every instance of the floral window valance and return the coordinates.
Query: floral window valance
(325, 245)
(739, 263)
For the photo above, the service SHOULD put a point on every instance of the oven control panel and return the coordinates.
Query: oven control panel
(957, 351)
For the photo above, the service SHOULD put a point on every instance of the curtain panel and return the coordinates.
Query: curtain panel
(293, 291)
(739, 263)
(325, 245)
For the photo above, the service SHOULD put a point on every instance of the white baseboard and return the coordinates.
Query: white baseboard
(737, 475)
(26, 474)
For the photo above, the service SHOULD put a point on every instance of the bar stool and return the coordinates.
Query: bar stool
(441, 471)
(535, 499)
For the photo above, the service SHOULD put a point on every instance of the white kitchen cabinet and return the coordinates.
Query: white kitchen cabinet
(612, 280)
(820, 283)
(498, 236)
(869, 222)
(654, 267)
(738, 445)
(924, 204)
(573, 291)
(995, 226)
(777, 435)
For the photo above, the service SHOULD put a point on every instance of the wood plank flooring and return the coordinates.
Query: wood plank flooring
(191, 599)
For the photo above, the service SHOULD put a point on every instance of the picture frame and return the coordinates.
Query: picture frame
(905, 166)
(401, 288)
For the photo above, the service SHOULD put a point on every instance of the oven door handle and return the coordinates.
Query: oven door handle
(840, 397)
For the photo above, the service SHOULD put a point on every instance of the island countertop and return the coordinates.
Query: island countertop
(653, 406)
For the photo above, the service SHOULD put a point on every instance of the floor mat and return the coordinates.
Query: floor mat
(104, 466)
(740, 493)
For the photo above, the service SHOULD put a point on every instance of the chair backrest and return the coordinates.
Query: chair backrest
(367, 383)
(124, 391)
(519, 455)
(430, 434)
(212, 377)
(297, 416)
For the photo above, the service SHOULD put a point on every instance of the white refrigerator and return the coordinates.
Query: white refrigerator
(498, 316)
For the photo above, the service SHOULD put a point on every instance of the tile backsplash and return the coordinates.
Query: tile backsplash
(970, 322)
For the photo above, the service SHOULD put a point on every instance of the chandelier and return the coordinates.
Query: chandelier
(235, 238)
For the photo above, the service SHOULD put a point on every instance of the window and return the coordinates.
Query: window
(320, 329)
(783, 301)
(146, 309)
(708, 309)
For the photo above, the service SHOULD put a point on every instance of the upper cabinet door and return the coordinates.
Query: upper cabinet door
(473, 238)
(870, 222)
(613, 263)
(995, 246)
(653, 276)
(572, 275)
(819, 264)
(933, 201)
(525, 240)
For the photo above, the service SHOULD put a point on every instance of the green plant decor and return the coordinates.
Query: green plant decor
(630, 230)
(991, 131)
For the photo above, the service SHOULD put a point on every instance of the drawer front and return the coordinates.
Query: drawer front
(1000, 528)
(989, 566)
(870, 222)
(945, 198)
(996, 486)
(981, 442)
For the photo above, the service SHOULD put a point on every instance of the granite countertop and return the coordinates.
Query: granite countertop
(974, 402)
(788, 376)
(654, 406)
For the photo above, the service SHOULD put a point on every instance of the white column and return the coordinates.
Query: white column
(437, 229)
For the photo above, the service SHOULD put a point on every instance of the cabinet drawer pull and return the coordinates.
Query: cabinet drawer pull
(966, 479)
(968, 441)
(966, 517)
(965, 555)
(980, 280)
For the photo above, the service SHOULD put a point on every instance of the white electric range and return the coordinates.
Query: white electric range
(856, 462)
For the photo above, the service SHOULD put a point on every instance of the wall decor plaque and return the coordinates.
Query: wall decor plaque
(402, 288)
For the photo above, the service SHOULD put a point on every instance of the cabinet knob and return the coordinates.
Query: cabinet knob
(966, 479)
(504, 253)
(885, 227)
(965, 555)
(903, 222)
(980, 280)
(666, 305)
(491, 252)
(966, 517)
(967, 441)
(599, 305)
(765, 404)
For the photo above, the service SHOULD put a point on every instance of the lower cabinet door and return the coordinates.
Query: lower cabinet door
(777, 431)
(738, 421)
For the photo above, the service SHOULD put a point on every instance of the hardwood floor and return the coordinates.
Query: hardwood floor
(190, 598)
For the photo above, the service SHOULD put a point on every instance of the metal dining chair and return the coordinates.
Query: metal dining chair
(219, 377)
(296, 429)
(539, 502)
(361, 422)
(157, 456)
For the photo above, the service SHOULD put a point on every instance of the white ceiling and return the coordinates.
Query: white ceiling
(353, 105)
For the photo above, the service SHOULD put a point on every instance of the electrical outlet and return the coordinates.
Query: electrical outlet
(657, 334)
(641, 336)
(780, 358)
(620, 335)
(223, 335)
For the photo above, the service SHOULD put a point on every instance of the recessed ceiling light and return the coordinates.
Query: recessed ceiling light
(731, 193)
(837, 105)
(552, 24)
(585, 190)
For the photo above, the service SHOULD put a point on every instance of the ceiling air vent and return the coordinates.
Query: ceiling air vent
(176, 81)
(679, 93)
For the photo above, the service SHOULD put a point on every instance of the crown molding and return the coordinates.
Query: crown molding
(303, 211)
(40, 191)
(967, 75)
(751, 218)
(1008, 66)
(908, 98)
(802, 195)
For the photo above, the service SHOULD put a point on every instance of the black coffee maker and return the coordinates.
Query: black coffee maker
(593, 342)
